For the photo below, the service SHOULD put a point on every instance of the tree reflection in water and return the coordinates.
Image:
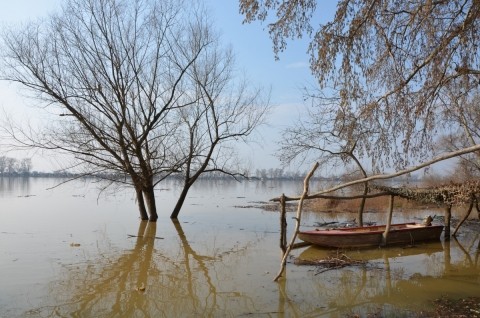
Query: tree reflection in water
(180, 281)
(391, 283)
(220, 264)
(175, 284)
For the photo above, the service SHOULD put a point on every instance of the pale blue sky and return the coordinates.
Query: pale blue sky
(254, 54)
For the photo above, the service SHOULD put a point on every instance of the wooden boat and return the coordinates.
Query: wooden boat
(367, 236)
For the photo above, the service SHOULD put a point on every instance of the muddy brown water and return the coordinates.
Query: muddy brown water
(70, 252)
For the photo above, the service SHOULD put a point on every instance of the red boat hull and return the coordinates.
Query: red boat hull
(368, 236)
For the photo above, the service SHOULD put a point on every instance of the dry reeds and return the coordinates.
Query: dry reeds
(372, 205)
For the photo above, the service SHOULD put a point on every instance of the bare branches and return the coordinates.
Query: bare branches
(143, 87)
(292, 18)
(391, 64)
(225, 111)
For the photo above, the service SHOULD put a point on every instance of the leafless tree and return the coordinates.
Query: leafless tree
(329, 135)
(388, 61)
(118, 72)
(226, 111)
(25, 166)
(3, 164)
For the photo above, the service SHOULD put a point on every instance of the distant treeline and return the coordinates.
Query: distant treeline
(14, 167)
(10, 167)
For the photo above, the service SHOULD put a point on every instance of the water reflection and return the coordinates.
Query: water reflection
(18, 185)
(151, 279)
(107, 285)
(180, 281)
(219, 262)
(408, 278)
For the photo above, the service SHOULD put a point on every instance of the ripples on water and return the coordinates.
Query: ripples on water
(70, 252)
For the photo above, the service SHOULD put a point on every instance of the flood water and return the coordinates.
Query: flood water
(71, 251)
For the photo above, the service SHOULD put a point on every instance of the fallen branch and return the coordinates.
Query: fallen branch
(446, 156)
(306, 183)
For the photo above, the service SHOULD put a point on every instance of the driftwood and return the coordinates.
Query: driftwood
(306, 183)
(336, 197)
(331, 262)
(445, 156)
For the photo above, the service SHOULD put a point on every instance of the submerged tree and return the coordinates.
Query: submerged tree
(224, 111)
(392, 63)
(328, 135)
(119, 72)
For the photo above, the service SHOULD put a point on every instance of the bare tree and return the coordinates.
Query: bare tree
(3, 164)
(388, 61)
(118, 73)
(225, 111)
(25, 166)
(329, 135)
(11, 165)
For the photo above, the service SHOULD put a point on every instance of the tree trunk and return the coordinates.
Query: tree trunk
(361, 208)
(149, 196)
(448, 220)
(477, 207)
(283, 225)
(141, 204)
(470, 208)
(180, 201)
(365, 186)
(389, 221)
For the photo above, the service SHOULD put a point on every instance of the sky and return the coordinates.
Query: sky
(254, 57)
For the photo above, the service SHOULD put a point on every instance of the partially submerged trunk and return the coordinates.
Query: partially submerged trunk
(448, 220)
(180, 201)
(149, 195)
(389, 221)
(361, 208)
(141, 204)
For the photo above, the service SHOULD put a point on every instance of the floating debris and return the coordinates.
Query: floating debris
(331, 262)
(155, 237)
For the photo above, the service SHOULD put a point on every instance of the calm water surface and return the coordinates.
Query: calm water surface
(71, 251)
